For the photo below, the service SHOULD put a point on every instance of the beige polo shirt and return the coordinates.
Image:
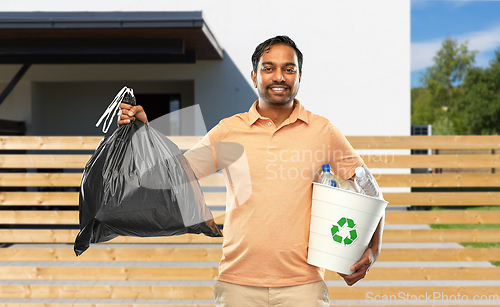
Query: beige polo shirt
(268, 211)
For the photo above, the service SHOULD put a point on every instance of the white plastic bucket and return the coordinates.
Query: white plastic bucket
(342, 225)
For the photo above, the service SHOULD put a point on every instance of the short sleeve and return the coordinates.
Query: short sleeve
(344, 159)
(202, 157)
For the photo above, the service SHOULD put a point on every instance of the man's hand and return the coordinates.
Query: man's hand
(360, 268)
(130, 113)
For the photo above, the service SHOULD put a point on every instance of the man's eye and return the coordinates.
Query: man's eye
(290, 70)
(267, 69)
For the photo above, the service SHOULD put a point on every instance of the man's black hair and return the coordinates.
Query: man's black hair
(264, 46)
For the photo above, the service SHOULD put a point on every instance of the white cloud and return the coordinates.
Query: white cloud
(422, 53)
(423, 4)
(482, 41)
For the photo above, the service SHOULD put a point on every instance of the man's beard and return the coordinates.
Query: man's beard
(267, 98)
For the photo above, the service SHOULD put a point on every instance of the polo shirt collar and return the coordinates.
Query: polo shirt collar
(299, 112)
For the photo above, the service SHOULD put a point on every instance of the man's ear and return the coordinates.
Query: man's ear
(254, 79)
(300, 76)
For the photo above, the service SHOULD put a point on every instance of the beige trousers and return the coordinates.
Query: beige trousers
(309, 295)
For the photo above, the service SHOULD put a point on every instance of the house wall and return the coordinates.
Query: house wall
(356, 59)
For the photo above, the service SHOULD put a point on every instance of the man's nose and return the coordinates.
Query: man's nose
(279, 76)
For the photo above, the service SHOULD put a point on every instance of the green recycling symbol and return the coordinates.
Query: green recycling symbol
(353, 234)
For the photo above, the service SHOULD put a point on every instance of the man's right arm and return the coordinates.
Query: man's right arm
(202, 158)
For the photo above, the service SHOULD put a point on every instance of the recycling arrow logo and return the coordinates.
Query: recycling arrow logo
(353, 234)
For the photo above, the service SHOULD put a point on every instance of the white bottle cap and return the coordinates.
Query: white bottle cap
(360, 172)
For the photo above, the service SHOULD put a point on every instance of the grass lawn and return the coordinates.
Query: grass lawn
(481, 244)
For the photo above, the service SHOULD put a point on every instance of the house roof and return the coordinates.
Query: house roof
(106, 37)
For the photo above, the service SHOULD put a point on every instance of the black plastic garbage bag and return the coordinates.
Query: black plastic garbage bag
(138, 183)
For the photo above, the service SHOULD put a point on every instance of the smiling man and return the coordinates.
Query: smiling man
(264, 259)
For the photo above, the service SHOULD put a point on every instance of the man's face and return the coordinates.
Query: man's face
(277, 79)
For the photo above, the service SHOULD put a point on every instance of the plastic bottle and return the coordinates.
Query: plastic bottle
(327, 177)
(348, 185)
(365, 183)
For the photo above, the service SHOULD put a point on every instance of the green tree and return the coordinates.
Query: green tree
(422, 110)
(480, 106)
(438, 101)
(445, 76)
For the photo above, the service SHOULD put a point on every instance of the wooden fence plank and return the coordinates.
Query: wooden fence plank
(390, 235)
(438, 180)
(211, 273)
(444, 198)
(43, 161)
(440, 254)
(375, 294)
(49, 142)
(54, 217)
(425, 142)
(40, 179)
(443, 217)
(73, 142)
(432, 161)
(55, 304)
(373, 161)
(206, 292)
(441, 235)
(108, 273)
(58, 217)
(426, 273)
(214, 180)
(72, 180)
(215, 254)
(71, 198)
(214, 198)
(106, 291)
(39, 198)
(69, 235)
(384, 180)
(111, 254)
(358, 142)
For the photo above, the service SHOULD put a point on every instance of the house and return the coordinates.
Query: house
(184, 53)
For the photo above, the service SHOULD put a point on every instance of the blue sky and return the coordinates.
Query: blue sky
(477, 22)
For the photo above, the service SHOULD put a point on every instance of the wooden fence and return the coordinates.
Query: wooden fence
(30, 215)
